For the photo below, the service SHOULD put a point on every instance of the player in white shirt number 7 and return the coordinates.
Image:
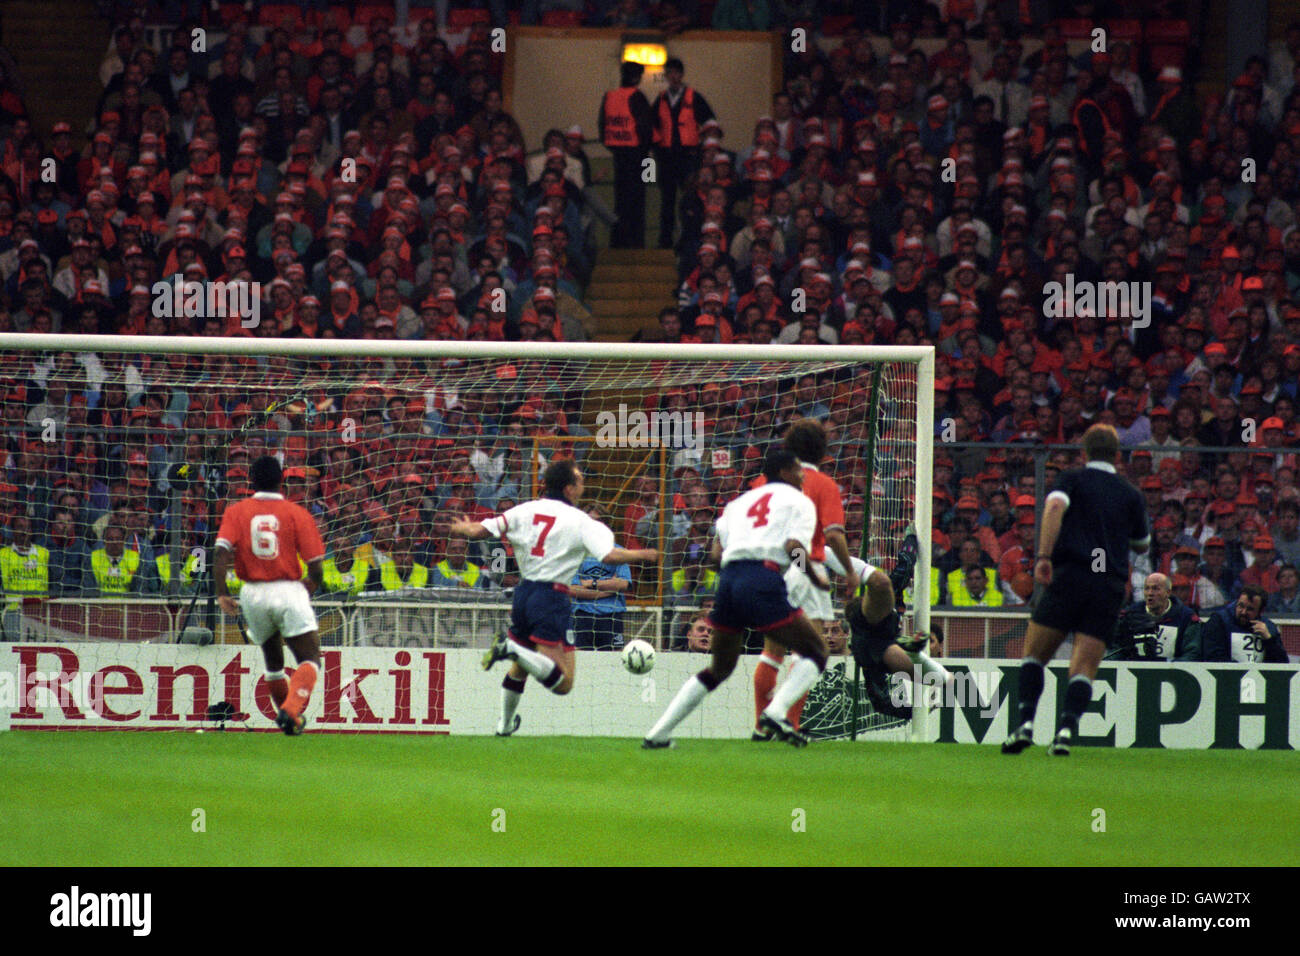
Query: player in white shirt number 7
(551, 537)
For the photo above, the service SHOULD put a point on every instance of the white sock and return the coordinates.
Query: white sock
(764, 659)
(509, 704)
(687, 699)
(803, 674)
(930, 666)
(537, 665)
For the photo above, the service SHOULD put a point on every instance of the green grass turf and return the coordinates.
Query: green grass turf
(85, 799)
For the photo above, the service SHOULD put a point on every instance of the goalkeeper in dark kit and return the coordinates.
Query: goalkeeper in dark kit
(1158, 628)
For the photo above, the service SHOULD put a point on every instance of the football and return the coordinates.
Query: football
(639, 657)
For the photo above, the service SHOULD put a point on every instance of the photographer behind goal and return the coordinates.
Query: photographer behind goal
(1158, 628)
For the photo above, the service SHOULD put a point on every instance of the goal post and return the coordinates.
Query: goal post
(385, 440)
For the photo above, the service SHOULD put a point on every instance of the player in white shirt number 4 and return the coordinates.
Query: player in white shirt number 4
(760, 534)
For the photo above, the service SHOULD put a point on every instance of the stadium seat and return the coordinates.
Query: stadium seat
(837, 26)
(1130, 30)
(458, 20)
(1161, 55)
(369, 11)
(1075, 29)
(1166, 43)
(1167, 31)
(230, 12)
(338, 17)
(275, 14)
(562, 18)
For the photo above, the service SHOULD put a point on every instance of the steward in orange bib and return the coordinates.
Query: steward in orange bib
(625, 129)
(679, 114)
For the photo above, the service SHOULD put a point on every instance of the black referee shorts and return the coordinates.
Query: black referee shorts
(1080, 600)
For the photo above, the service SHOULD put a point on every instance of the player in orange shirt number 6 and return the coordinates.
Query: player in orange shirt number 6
(264, 536)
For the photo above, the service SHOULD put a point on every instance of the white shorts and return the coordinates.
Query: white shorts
(803, 594)
(272, 607)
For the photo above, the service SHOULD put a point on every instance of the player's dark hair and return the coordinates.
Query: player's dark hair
(1101, 443)
(265, 474)
(778, 460)
(807, 439)
(558, 475)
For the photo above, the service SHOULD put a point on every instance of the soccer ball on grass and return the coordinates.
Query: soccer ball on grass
(639, 657)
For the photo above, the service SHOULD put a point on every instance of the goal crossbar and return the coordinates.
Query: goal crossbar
(923, 356)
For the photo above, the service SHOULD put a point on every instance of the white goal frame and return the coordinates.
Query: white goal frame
(923, 356)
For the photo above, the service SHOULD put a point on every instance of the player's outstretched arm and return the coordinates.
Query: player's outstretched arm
(631, 556)
(839, 546)
(474, 530)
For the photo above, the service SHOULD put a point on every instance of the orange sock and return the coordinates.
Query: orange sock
(279, 687)
(765, 681)
(796, 711)
(300, 688)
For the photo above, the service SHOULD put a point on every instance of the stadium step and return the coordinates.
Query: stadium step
(641, 257)
(649, 306)
(58, 49)
(627, 290)
(637, 272)
(653, 288)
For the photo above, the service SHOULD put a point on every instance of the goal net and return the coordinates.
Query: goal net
(124, 453)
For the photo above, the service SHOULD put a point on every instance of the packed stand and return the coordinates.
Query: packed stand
(368, 181)
(1098, 166)
(1101, 167)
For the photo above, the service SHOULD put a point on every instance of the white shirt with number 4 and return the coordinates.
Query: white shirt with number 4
(756, 526)
(550, 538)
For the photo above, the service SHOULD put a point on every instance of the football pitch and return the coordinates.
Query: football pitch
(237, 798)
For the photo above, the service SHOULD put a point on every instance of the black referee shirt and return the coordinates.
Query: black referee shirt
(1102, 511)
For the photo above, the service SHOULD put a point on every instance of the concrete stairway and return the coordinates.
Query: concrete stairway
(58, 48)
(627, 290)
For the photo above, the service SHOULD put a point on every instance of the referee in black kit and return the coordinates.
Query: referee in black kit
(1090, 521)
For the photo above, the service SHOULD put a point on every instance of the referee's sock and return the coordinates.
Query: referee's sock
(1078, 694)
(1031, 688)
(546, 671)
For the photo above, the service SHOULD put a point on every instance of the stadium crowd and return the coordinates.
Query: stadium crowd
(831, 220)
